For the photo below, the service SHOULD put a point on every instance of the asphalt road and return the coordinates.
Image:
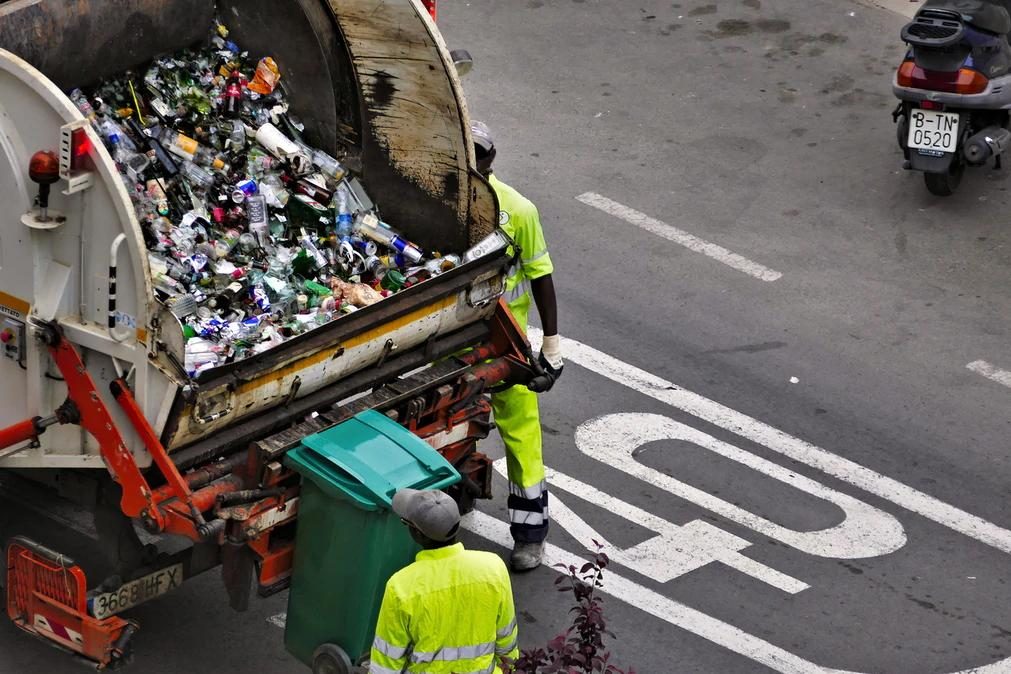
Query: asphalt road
(778, 438)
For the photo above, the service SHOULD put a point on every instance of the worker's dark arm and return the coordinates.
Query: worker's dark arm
(543, 290)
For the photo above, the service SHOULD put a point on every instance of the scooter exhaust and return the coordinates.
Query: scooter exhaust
(990, 142)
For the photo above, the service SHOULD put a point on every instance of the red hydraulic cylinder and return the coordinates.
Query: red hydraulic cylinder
(203, 499)
(19, 432)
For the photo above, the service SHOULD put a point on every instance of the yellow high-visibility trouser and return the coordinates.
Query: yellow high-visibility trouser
(518, 419)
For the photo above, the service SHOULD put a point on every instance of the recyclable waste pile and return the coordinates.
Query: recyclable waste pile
(253, 236)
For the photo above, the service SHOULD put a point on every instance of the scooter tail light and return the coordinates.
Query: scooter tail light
(970, 82)
(905, 76)
(432, 6)
(962, 81)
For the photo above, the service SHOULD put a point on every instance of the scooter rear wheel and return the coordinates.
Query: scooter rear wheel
(945, 184)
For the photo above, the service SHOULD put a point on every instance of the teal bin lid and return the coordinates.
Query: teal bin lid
(367, 458)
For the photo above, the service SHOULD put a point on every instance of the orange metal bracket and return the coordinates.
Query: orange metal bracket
(47, 597)
(174, 508)
(95, 418)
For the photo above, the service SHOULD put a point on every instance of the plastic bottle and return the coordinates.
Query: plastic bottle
(248, 243)
(155, 150)
(369, 226)
(78, 98)
(237, 135)
(190, 150)
(232, 107)
(328, 165)
(345, 223)
(273, 190)
(314, 288)
(114, 134)
(393, 280)
(198, 177)
(312, 250)
(135, 164)
(156, 193)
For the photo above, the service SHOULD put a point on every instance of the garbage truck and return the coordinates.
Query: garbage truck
(96, 404)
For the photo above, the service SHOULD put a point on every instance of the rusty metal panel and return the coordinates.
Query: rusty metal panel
(415, 125)
(78, 42)
(317, 74)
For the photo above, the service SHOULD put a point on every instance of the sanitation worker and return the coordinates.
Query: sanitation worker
(516, 412)
(452, 609)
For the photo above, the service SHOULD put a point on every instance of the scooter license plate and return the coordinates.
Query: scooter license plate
(931, 130)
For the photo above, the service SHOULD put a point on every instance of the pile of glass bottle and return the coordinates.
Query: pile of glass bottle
(253, 236)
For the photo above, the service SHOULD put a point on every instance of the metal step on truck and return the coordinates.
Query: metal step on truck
(96, 405)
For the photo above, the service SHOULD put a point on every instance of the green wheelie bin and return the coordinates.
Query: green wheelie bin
(349, 542)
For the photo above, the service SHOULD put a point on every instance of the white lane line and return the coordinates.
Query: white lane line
(905, 8)
(794, 448)
(657, 605)
(991, 372)
(279, 620)
(679, 615)
(689, 241)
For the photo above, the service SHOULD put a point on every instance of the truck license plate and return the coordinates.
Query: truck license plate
(137, 592)
(930, 130)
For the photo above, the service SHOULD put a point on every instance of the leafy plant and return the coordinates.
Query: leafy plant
(579, 649)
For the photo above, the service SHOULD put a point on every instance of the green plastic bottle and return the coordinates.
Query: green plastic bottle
(393, 280)
(317, 289)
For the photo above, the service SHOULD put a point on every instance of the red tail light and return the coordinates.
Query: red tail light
(962, 81)
(432, 6)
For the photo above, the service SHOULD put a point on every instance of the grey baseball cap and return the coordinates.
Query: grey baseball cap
(482, 135)
(433, 513)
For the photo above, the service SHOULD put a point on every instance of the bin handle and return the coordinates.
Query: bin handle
(363, 474)
(358, 470)
(419, 450)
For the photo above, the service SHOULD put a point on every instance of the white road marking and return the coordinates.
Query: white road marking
(783, 443)
(991, 372)
(656, 604)
(618, 439)
(906, 8)
(678, 614)
(279, 620)
(676, 551)
(689, 241)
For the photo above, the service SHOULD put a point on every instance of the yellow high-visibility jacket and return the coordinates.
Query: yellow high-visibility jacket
(519, 219)
(450, 612)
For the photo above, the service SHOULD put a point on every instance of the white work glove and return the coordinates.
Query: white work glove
(551, 360)
(551, 352)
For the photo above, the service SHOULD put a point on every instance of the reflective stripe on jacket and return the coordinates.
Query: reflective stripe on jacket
(450, 612)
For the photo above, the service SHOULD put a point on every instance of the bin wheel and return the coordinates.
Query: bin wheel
(330, 659)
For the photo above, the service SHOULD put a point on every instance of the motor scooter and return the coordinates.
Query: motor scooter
(954, 85)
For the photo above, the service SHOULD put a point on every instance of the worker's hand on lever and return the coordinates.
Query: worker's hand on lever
(550, 359)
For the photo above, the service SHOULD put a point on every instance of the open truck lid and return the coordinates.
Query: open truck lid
(372, 81)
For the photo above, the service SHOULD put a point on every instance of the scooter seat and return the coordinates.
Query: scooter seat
(993, 16)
